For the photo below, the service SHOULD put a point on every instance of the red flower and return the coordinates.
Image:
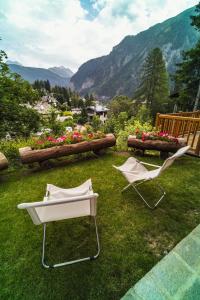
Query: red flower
(90, 135)
(143, 136)
(40, 142)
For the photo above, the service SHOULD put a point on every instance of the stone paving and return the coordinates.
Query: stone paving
(175, 277)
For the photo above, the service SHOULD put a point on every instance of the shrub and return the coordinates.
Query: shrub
(67, 113)
(96, 123)
(11, 148)
(69, 123)
(143, 115)
(131, 128)
(56, 126)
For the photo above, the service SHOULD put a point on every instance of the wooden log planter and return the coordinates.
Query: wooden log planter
(29, 156)
(3, 162)
(158, 145)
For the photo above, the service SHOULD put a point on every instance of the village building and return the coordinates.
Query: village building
(98, 110)
(46, 104)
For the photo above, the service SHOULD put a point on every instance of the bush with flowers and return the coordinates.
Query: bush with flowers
(155, 135)
(129, 128)
(68, 138)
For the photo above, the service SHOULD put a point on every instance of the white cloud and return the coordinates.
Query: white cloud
(45, 33)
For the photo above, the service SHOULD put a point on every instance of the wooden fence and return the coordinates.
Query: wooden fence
(193, 114)
(186, 126)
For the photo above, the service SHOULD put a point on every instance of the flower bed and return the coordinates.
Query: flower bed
(156, 136)
(69, 138)
(54, 148)
(160, 141)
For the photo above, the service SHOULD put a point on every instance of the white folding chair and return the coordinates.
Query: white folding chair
(136, 173)
(60, 204)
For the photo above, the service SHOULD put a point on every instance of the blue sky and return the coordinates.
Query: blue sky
(45, 33)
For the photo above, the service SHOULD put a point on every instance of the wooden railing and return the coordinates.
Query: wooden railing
(187, 127)
(193, 114)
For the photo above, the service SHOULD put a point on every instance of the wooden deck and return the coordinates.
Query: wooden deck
(186, 125)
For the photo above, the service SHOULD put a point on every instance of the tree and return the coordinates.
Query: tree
(154, 86)
(47, 86)
(121, 104)
(89, 100)
(83, 118)
(196, 18)
(16, 97)
(188, 72)
(188, 76)
(56, 126)
(122, 119)
(96, 123)
(143, 114)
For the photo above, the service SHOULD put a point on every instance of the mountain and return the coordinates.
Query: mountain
(62, 71)
(31, 74)
(119, 72)
(13, 62)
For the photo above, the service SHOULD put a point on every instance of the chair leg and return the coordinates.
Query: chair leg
(141, 196)
(47, 266)
(126, 187)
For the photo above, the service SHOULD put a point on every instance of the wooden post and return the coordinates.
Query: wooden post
(197, 99)
(197, 150)
(157, 120)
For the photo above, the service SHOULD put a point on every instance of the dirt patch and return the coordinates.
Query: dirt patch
(192, 215)
(160, 245)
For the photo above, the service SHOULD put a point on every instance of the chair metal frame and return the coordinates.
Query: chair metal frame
(143, 181)
(31, 208)
(47, 266)
(165, 165)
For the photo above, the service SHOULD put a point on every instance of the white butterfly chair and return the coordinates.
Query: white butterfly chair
(136, 174)
(60, 204)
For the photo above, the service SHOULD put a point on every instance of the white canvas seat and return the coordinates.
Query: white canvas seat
(136, 173)
(60, 204)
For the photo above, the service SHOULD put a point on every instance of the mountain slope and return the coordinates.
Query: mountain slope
(62, 71)
(31, 74)
(118, 72)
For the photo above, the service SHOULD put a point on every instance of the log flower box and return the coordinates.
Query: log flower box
(3, 162)
(29, 155)
(159, 141)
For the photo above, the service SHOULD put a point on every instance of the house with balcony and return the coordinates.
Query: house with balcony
(98, 110)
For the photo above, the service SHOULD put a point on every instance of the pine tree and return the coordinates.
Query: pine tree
(188, 72)
(154, 86)
(196, 18)
(188, 77)
(47, 86)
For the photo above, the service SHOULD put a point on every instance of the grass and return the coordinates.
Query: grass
(133, 238)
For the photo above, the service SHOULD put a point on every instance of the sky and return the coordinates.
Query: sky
(46, 33)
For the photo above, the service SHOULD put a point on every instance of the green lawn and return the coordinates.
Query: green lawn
(133, 238)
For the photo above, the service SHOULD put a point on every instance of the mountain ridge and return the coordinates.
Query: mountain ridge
(32, 73)
(118, 72)
(62, 71)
